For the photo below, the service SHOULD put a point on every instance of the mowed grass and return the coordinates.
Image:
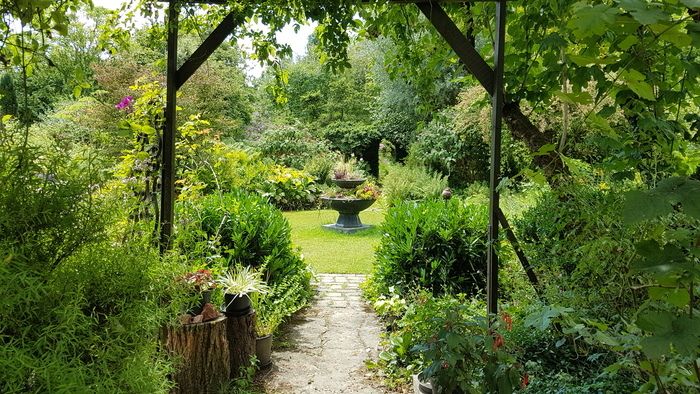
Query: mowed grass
(330, 252)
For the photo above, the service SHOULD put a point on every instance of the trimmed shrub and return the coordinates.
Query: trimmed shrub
(436, 245)
(410, 183)
(248, 231)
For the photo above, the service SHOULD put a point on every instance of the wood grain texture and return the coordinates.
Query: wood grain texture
(202, 353)
(240, 331)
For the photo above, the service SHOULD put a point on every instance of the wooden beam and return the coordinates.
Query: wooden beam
(202, 53)
(497, 100)
(529, 271)
(167, 178)
(471, 59)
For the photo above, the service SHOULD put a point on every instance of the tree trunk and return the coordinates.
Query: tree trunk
(203, 356)
(522, 128)
(240, 331)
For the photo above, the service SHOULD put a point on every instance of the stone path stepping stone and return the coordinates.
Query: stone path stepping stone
(329, 343)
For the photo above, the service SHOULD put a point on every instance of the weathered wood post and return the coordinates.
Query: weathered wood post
(202, 354)
(240, 334)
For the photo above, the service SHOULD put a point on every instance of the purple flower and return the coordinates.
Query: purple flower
(126, 102)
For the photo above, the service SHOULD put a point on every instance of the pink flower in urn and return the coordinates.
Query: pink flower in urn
(125, 103)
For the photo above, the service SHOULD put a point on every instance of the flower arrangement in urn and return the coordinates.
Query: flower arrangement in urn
(347, 170)
(352, 195)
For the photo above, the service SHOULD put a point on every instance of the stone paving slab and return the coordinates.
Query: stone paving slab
(330, 342)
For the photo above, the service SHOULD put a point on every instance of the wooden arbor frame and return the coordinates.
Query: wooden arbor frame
(490, 78)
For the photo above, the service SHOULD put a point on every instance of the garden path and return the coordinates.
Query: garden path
(328, 343)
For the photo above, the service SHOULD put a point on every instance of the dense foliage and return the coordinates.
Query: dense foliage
(435, 245)
(246, 230)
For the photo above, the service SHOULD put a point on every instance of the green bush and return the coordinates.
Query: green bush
(351, 138)
(291, 147)
(226, 169)
(91, 326)
(46, 212)
(436, 245)
(410, 183)
(446, 340)
(460, 155)
(456, 144)
(80, 312)
(576, 241)
(246, 230)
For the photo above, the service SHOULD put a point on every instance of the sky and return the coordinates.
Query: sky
(297, 41)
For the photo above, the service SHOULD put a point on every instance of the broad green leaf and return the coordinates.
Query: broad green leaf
(589, 20)
(536, 177)
(545, 150)
(643, 12)
(657, 322)
(689, 194)
(641, 205)
(691, 3)
(581, 97)
(576, 167)
(676, 297)
(680, 332)
(628, 42)
(541, 319)
(674, 34)
(635, 81)
(659, 259)
(605, 339)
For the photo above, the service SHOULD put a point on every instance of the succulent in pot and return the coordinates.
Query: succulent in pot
(237, 283)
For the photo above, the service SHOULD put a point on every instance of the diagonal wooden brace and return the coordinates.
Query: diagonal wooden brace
(210, 44)
(529, 271)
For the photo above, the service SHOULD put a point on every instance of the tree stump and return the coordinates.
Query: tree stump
(240, 331)
(202, 353)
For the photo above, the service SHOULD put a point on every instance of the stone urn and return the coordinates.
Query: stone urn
(348, 208)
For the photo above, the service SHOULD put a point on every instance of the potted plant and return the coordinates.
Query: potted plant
(346, 175)
(237, 284)
(200, 282)
(265, 326)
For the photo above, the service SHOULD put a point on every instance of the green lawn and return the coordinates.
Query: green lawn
(330, 252)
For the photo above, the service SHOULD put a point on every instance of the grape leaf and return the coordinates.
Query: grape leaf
(592, 20)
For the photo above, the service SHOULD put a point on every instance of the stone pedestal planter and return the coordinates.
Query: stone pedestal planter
(348, 208)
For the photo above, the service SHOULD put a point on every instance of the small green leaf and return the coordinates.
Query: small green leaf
(628, 42)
